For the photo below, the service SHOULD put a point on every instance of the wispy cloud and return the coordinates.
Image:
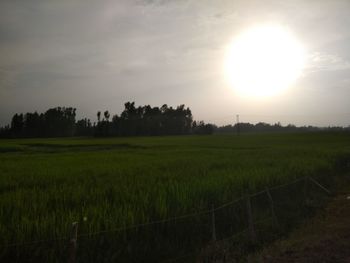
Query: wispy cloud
(320, 61)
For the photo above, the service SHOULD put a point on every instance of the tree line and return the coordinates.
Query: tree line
(133, 121)
(260, 127)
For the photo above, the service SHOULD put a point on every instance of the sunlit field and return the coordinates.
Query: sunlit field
(46, 184)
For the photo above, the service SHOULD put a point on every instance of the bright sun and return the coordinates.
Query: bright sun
(264, 61)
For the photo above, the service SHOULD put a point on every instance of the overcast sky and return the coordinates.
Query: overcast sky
(96, 55)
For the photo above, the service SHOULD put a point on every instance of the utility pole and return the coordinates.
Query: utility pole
(237, 124)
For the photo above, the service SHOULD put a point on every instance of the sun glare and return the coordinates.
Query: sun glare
(264, 61)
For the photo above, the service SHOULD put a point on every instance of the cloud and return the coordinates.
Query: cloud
(319, 61)
(97, 54)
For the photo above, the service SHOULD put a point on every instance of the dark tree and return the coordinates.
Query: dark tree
(202, 128)
(133, 121)
(83, 127)
(59, 122)
(106, 115)
(33, 124)
(98, 116)
(17, 125)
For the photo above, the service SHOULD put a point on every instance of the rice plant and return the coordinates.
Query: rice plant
(108, 184)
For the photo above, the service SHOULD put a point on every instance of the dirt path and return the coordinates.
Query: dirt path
(326, 238)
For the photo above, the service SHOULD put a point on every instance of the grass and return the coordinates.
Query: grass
(45, 184)
(324, 238)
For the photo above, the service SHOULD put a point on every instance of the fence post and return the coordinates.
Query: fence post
(250, 220)
(319, 185)
(72, 249)
(213, 223)
(272, 207)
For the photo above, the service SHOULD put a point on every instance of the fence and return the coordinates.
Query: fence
(229, 230)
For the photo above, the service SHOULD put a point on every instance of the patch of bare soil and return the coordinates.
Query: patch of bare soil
(325, 238)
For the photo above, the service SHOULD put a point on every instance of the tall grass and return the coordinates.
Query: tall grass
(45, 184)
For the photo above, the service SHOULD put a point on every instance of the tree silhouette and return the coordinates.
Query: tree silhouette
(17, 124)
(106, 115)
(98, 116)
(133, 121)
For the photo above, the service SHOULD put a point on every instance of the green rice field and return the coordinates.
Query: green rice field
(110, 183)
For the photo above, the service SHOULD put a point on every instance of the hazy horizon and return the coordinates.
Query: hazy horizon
(96, 55)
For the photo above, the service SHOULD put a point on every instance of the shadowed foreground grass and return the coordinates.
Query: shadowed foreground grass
(325, 238)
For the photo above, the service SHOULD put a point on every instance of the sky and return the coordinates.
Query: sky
(98, 54)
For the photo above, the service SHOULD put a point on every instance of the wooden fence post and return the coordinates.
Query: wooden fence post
(72, 249)
(272, 207)
(213, 223)
(251, 226)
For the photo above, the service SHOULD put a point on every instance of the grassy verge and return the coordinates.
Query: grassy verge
(324, 238)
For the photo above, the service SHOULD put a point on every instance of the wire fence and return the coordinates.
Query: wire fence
(229, 230)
